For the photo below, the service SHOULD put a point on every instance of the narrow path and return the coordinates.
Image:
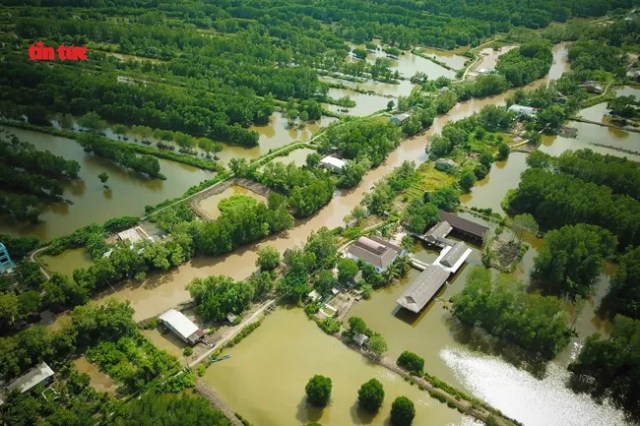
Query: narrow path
(32, 258)
(217, 402)
(613, 126)
(233, 332)
(480, 411)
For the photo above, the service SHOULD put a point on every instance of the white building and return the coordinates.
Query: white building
(41, 373)
(522, 110)
(332, 163)
(182, 326)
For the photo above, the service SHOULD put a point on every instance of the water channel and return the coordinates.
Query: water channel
(286, 350)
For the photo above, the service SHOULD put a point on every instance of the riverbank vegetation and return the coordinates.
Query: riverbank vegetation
(540, 324)
(30, 179)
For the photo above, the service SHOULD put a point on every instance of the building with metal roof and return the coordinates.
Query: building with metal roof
(41, 373)
(398, 119)
(375, 251)
(423, 288)
(332, 163)
(523, 110)
(452, 257)
(182, 326)
(464, 226)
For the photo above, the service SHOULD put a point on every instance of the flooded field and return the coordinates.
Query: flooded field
(99, 380)
(209, 206)
(128, 193)
(67, 261)
(447, 57)
(166, 341)
(284, 353)
(274, 135)
(297, 157)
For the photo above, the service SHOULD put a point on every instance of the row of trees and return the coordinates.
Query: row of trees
(370, 398)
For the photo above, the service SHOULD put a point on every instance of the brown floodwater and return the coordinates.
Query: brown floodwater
(287, 349)
(163, 291)
(67, 261)
(297, 157)
(274, 135)
(278, 359)
(128, 193)
(100, 381)
(447, 57)
(210, 204)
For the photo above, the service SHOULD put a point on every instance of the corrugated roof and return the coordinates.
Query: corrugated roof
(330, 160)
(439, 230)
(376, 251)
(33, 377)
(423, 288)
(463, 224)
(454, 254)
(179, 323)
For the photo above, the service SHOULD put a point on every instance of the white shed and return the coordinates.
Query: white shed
(182, 326)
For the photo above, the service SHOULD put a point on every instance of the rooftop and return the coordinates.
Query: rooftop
(522, 109)
(423, 288)
(33, 377)
(439, 230)
(179, 323)
(451, 258)
(376, 251)
(402, 117)
(334, 162)
(464, 225)
(133, 235)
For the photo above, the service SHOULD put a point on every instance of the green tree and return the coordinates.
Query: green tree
(624, 296)
(103, 178)
(358, 326)
(8, 310)
(524, 223)
(571, 258)
(402, 411)
(371, 395)
(467, 180)
(318, 390)
(217, 296)
(347, 270)
(445, 198)
(325, 281)
(377, 345)
(268, 258)
(410, 362)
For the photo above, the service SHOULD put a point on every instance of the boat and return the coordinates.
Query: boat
(222, 358)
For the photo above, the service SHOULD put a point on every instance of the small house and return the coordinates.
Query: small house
(375, 251)
(332, 163)
(446, 164)
(399, 119)
(40, 374)
(232, 318)
(182, 326)
(523, 110)
(361, 339)
(592, 87)
(134, 235)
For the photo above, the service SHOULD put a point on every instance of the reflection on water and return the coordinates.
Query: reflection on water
(490, 191)
(525, 398)
(91, 203)
(274, 135)
(297, 157)
(279, 357)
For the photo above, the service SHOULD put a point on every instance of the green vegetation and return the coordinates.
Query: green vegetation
(121, 154)
(268, 258)
(30, 178)
(330, 325)
(609, 367)
(163, 409)
(571, 258)
(556, 199)
(410, 362)
(218, 296)
(347, 270)
(540, 324)
(402, 411)
(371, 395)
(318, 390)
(18, 247)
(624, 296)
(246, 330)
(526, 63)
